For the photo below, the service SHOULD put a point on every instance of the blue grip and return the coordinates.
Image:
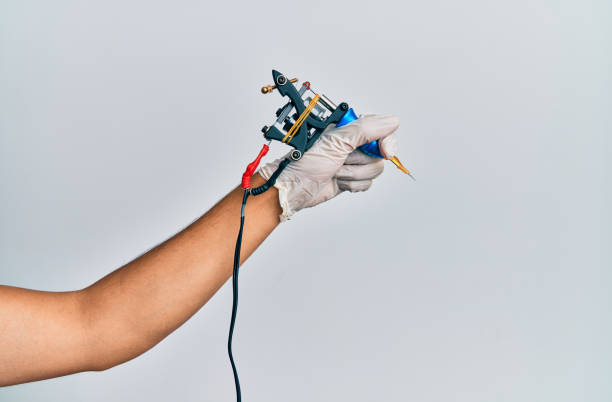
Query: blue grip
(370, 148)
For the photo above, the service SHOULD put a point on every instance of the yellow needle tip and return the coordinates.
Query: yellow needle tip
(401, 167)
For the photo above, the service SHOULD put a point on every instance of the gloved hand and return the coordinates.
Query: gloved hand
(334, 164)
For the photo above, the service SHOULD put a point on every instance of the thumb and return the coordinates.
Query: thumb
(388, 146)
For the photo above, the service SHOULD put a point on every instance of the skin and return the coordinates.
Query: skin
(121, 316)
(50, 334)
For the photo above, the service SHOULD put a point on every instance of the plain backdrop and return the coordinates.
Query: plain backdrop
(488, 279)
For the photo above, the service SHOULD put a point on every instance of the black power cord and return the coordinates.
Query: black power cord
(272, 180)
(235, 295)
(256, 191)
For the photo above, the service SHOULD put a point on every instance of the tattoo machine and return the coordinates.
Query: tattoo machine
(299, 123)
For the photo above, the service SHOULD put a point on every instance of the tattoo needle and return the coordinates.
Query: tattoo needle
(401, 167)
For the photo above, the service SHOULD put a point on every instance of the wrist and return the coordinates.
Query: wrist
(268, 200)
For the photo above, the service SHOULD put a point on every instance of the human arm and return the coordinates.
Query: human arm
(49, 334)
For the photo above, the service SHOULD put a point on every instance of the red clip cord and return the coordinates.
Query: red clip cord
(250, 170)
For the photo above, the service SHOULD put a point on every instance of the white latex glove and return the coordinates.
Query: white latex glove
(334, 164)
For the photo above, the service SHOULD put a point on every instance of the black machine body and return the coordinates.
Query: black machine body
(305, 116)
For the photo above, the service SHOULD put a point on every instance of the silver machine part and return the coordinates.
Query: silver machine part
(327, 102)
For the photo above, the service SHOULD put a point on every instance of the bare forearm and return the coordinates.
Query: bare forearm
(130, 310)
(136, 306)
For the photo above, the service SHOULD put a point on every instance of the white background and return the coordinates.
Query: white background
(488, 279)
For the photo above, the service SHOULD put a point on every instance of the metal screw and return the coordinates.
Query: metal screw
(296, 154)
(269, 88)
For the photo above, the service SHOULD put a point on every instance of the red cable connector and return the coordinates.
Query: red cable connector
(250, 170)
